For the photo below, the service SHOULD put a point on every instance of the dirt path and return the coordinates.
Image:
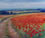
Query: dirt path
(3, 28)
(12, 32)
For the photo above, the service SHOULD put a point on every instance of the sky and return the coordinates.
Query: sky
(12, 4)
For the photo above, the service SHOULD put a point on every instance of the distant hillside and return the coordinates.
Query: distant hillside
(3, 13)
(20, 11)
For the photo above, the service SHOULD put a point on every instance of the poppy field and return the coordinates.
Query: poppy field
(30, 26)
(22, 26)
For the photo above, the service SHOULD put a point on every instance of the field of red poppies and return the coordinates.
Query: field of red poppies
(23, 25)
(30, 26)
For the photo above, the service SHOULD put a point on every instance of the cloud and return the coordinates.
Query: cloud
(5, 5)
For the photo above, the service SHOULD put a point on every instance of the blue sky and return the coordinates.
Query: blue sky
(22, 0)
(8, 4)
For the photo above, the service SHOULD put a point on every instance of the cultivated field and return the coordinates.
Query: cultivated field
(31, 25)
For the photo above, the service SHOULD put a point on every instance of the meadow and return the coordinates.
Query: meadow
(31, 25)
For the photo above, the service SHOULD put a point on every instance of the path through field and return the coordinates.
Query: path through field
(11, 31)
(6, 24)
(3, 28)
